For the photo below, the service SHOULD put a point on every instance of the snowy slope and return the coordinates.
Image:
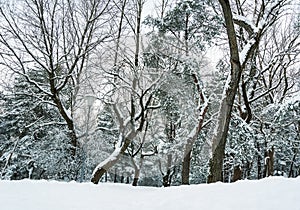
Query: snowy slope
(272, 193)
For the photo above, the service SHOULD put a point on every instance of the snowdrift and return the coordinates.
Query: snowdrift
(271, 193)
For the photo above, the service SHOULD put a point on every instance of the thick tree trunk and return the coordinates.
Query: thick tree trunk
(66, 116)
(167, 179)
(219, 138)
(122, 178)
(116, 176)
(135, 180)
(216, 164)
(185, 175)
(248, 168)
(220, 135)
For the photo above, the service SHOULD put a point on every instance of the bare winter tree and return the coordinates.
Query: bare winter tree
(132, 92)
(270, 79)
(53, 39)
(265, 14)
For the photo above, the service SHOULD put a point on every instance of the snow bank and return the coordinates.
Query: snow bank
(272, 193)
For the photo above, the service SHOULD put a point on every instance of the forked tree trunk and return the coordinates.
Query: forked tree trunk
(220, 135)
(237, 65)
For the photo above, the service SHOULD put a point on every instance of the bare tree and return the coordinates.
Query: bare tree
(265, 14)
(53, 38)
(271, 80)
(132, 95)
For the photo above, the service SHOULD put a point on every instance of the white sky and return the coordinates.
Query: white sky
(148, 8)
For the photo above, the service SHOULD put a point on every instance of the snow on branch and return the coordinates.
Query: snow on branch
(112, 157)
(246, 50)
(255, 30)
(245, 23)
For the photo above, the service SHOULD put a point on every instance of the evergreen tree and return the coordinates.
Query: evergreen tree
(34, 139)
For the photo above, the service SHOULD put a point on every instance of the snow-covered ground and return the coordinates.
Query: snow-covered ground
(272, 193)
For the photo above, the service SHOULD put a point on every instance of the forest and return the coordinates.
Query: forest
(193, 91)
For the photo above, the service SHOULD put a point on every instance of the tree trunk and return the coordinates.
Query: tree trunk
(68, 119)
(185, 175)
(138, 32)
(186, 164)
(110, 161)
(216, 164)
(259, 159)
(137, 170)
(167, 178)
(220, 135)
(269, 163)
(119, 33)
(237, 173)
(291, 174)
(105, 177)
(136, 177)
(115, 176)
(248, 169)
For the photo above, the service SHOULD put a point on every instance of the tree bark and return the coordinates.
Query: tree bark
(137, 170)
(237, 173)
(220, 135)
(186, 164)
(109, 162)
(259, 159)
(68, 119)
(291, 172)
(269, 162)
(185, 175)
(167, 178)
(136, 177)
